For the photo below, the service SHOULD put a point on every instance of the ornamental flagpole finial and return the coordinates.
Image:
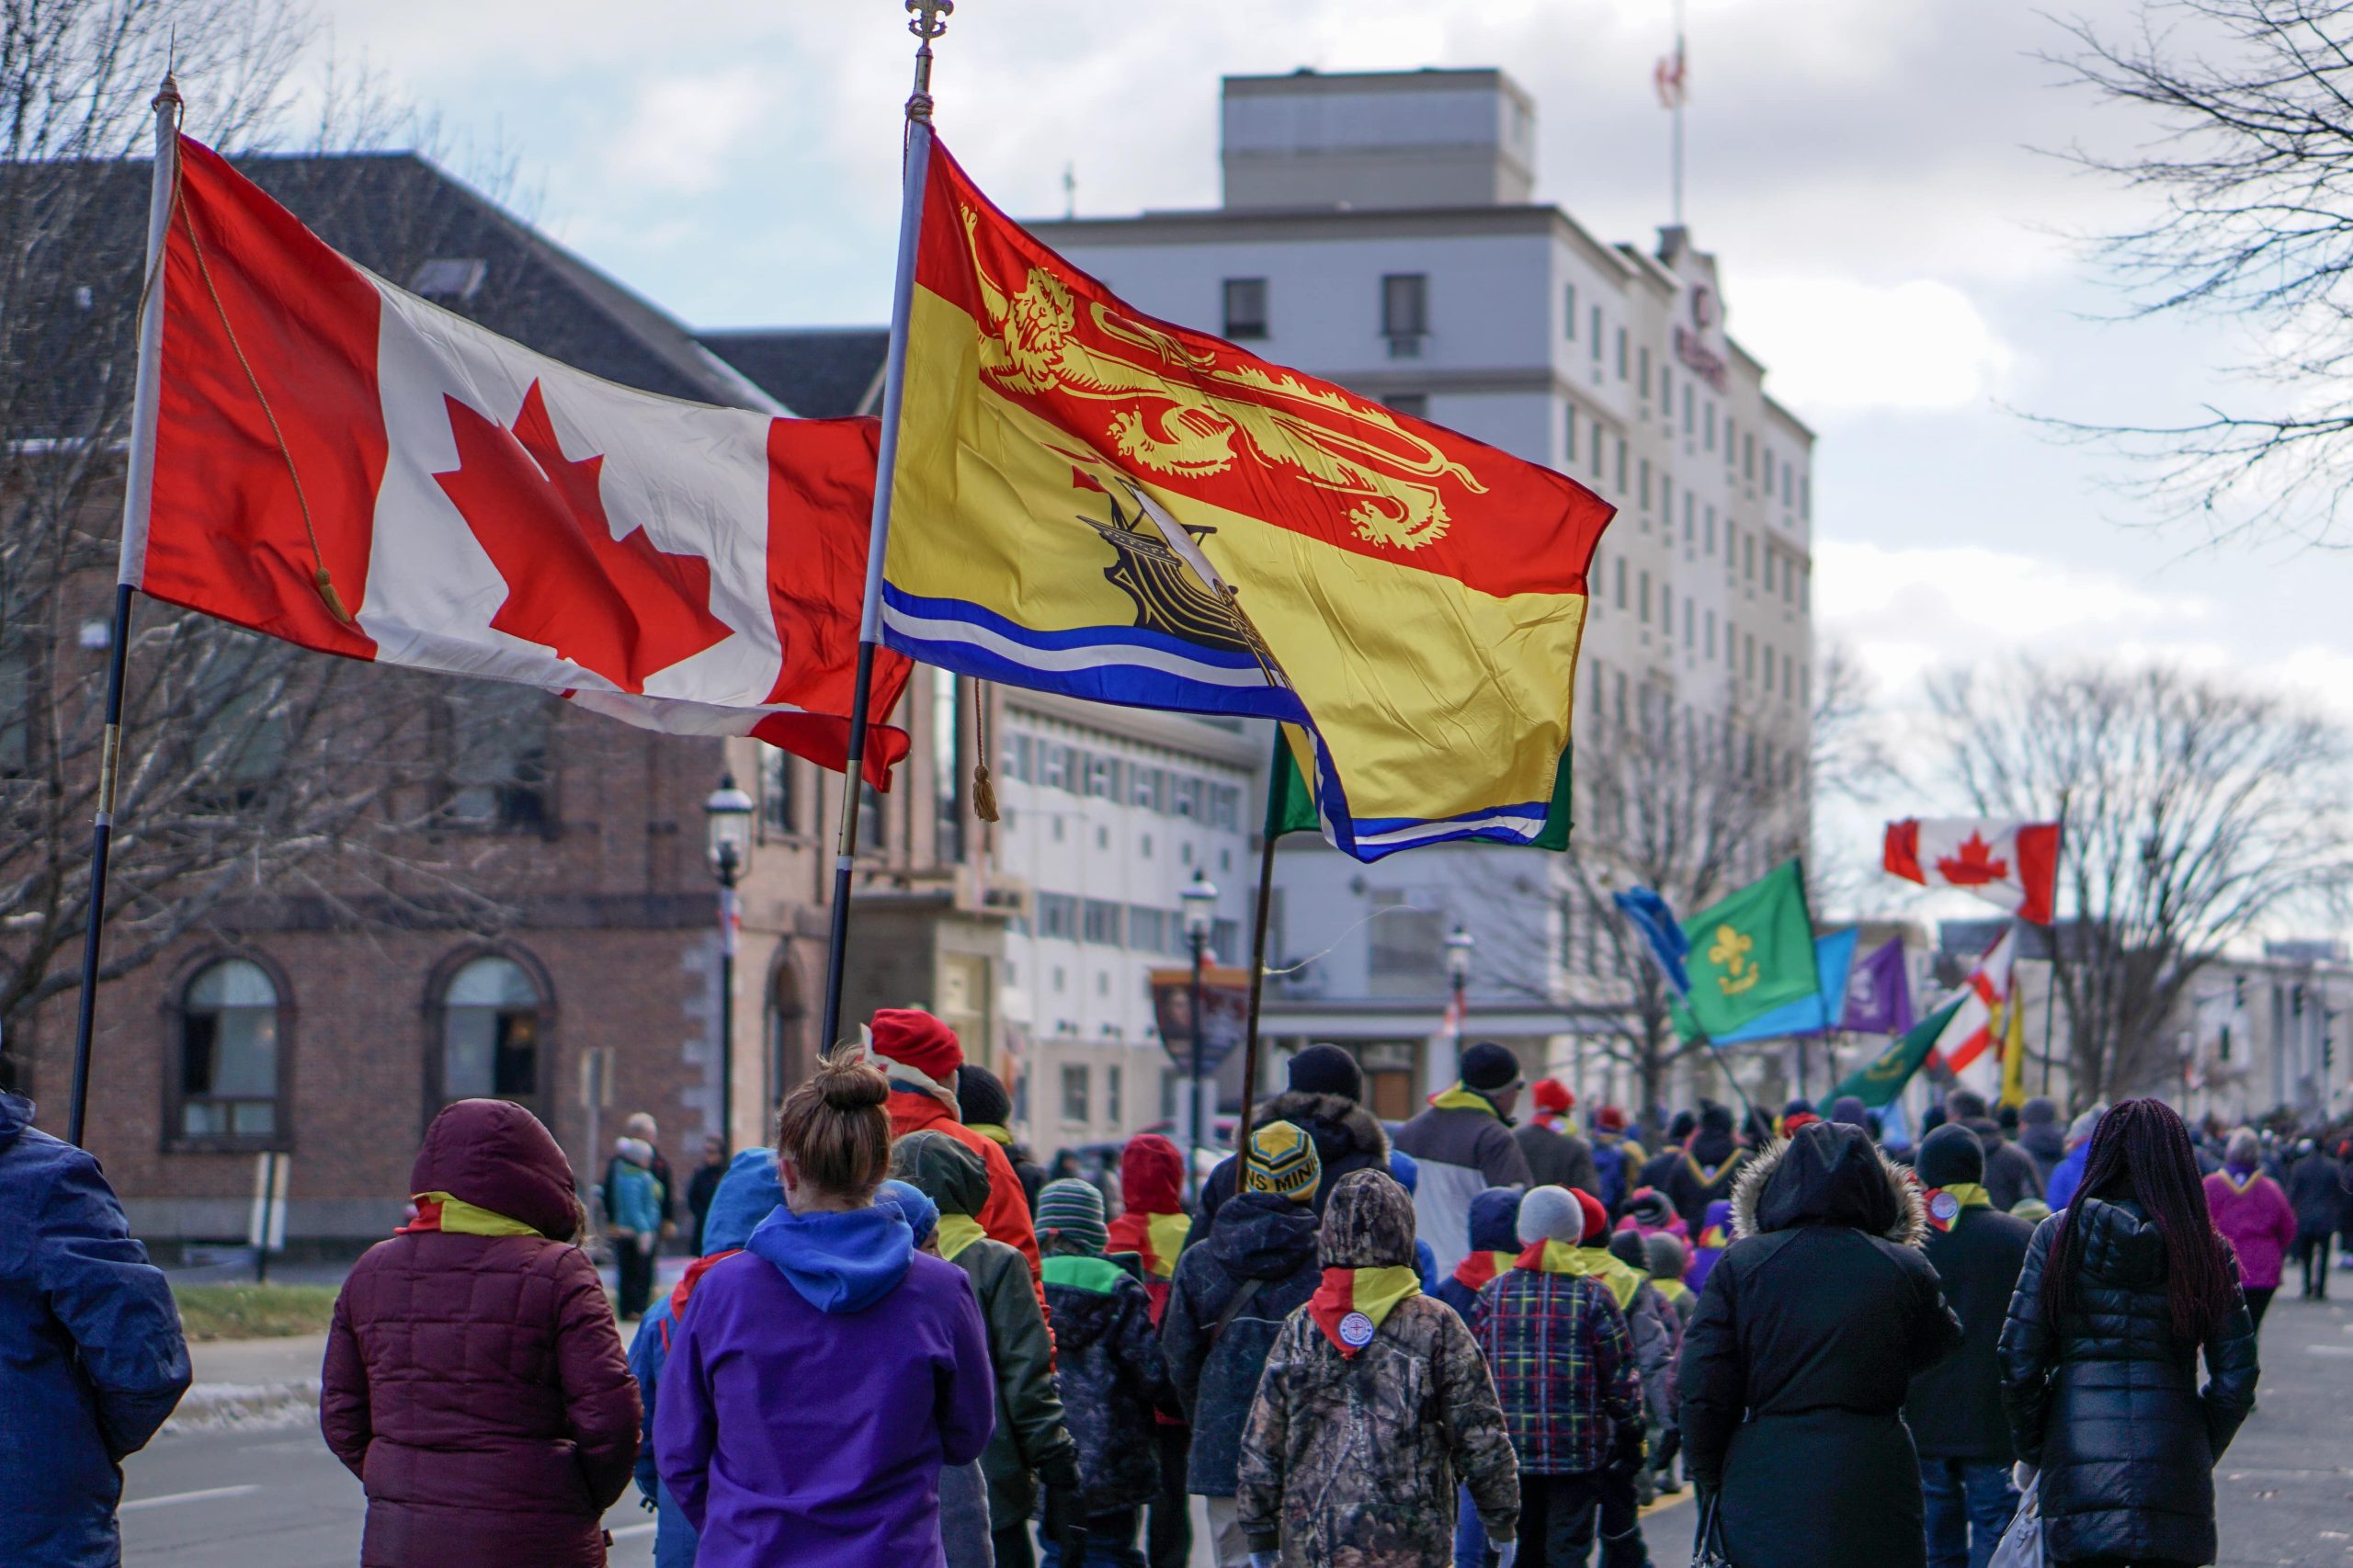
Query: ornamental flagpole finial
(926, 19)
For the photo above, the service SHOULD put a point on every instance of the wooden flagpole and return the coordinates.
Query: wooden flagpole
(139, 482)
(927, 20)
(1257, 980)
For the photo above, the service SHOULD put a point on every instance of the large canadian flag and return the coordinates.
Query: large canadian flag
(325, 442)
(2012, 863)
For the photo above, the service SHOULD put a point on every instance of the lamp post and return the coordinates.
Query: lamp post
(1459, 945)
(1199, 899)
(727, 834)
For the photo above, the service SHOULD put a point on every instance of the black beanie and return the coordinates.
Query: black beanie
(1683, 1126)
(1489, 1068)
(980, 1100)
(1949, 1155)
(1628, 1246)
(1714, 1118)
(1325, 1070)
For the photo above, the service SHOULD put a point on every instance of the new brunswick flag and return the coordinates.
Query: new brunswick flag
(1093, 502)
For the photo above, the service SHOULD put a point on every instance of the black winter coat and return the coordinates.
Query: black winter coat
(1700, 1175)
(1797, 1360)
(1558, 1159)
(1111, 1379)
(2010, 1172)
(1955, 1407)
(1347, 1138)
(2316, 1191)
(1257, 1236)
(2106, 1401)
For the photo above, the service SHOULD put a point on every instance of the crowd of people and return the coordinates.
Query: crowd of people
(1460, 1340)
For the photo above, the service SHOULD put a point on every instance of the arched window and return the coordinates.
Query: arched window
(228, 1084)
(490, 1033)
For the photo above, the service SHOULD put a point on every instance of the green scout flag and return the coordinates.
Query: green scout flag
(1290, 799)
(1751, 952)
(1878, 1083)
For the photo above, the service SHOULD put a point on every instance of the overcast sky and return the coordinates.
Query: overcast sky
(1868, 173)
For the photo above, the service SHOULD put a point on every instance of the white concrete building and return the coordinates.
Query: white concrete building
(1107, 813)
(1380, 229)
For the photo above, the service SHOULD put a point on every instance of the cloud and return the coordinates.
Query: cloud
(1908, 611)
(1835, 345)
(683, 131)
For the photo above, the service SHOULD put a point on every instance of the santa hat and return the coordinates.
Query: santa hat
(911, 1038)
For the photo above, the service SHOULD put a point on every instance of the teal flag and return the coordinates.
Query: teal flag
(1878, 1083)
(1751, 953)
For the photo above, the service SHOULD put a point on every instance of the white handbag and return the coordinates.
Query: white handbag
(2021, 1544)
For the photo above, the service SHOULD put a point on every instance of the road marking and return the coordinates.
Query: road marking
(1660, 1504)
(169, 1498)
(626, 1531)
(2330, 1349)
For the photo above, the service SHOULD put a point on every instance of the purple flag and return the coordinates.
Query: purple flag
(1878, 993)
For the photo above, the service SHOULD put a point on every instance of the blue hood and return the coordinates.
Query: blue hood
(746, 1195)
(1494, 1220)
(839, 1262)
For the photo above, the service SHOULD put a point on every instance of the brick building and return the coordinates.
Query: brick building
(581, 974)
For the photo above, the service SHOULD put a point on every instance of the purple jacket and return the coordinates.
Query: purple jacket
(810, 1398)
(2257, 1222)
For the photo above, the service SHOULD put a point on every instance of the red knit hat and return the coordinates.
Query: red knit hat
(1596, 1218)
(1610, 1119)
(1552, 1095)
(915, 1038)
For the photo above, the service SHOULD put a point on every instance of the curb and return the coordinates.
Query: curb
(244, 1407)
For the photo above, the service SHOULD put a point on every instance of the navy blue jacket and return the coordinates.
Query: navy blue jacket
(91, 1356)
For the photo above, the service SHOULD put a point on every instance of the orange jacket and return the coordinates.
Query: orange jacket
(1005, 1216)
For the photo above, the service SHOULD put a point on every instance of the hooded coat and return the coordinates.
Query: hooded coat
(1556, 1156)
(91, 1356)
(1354, 1459)
(2255, 1216)
(1153, 1223)
(1005, 1216)
(475, 1384)
(1263, 1245)
(1033, 1439)
(1346, 1136)
(747, 1194)
(1494, 1228)
(1796, 1362)
(1462, 1150)
(1112, 1380)
(770, 1432)
(2105, 1401)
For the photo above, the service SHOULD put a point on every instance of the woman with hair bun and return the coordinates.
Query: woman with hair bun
(829, 1370)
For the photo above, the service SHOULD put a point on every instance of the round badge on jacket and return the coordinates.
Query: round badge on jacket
(1944, 1208)
(1355, 1331)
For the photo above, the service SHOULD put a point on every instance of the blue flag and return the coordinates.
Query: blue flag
(1660, 932)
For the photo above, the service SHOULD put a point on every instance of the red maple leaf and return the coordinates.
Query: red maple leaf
(1972, 865)
(618, 606)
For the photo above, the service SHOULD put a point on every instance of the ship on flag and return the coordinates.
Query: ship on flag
(2012, 865)
(344, 465)
(1090, 501)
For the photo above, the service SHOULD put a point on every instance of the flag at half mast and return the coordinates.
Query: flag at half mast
(1090, 501)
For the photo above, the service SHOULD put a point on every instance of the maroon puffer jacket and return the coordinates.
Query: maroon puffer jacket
(477, 1384)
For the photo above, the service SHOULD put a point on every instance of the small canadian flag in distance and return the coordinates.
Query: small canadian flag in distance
(2012, 863)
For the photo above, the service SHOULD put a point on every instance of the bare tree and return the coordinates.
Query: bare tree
(1689, 804)
(2194, 813)
(253, 772)
(2251, 173)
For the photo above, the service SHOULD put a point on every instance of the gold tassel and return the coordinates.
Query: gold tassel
(983, 793)
(334, 599)
(983, 787)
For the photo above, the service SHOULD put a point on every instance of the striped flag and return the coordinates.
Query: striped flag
(1971, 1043)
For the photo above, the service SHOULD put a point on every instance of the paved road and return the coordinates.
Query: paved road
(277, 1499)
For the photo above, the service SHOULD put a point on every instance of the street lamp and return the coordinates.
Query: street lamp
(1200, 900)
(727, 836)
(1459, 943)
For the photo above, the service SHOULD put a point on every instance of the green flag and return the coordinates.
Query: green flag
(1290, 800)
(1877, 1084)
(1752, 952)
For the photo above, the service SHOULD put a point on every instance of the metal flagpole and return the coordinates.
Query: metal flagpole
(139, 481)
(927, 21)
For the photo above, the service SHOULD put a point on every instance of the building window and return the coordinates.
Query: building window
(1597, 334)
(1246, 307)
(16, 715)
(1645, 469)
(1076, 1093)
(1569, 438)
(1622, 353)
(1113, 1111)
(1101, 922)
(490, 1032)
(1621, 582)
(1057, 915)
(873, 824)
(1643, 372)
(1569, 312)
(1415, 406)
(228, 1086)
(495, 759)
(1405, 313)
(1225, 940)
(1147, 929)
(1645, 601)
(1621, 465)
(779, 803)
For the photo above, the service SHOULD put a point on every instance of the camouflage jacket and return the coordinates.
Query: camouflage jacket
(1353, 1463)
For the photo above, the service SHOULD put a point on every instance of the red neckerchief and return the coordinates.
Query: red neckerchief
(685, 1289)
(1479, 1267)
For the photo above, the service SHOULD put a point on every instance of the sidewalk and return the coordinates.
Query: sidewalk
(251, 1385)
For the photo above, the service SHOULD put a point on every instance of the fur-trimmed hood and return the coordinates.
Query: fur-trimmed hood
(1830, 1174)
(1342, 1129)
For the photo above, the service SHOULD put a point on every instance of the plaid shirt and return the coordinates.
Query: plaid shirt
(1563, 1364)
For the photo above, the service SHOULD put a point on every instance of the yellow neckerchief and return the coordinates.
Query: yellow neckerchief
(2236, 1184)
(439, 1212)
(1000, 1135)
(1675, 1290)
(1593, 1263)
(1461, 1098)
(1945, 1203)
(1167, 1232)
(1351, 1303)
(956, 1232)
(1709, 1177)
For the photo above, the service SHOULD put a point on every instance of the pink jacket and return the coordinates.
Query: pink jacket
(2257, 1222)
